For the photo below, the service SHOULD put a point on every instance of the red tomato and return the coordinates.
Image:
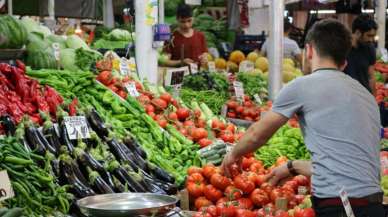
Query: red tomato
(212, 193)
(162, 123)
(309, 212)
(219, 181)
(196, 178)
(199, 134)
(195, 189)
(245, 213)
(222, 200)
(172, 116)
(257, 167)
(202, 202)
(231, 128)
(247, 162)
(245, 203)
(275, 194)
(266, 187)
(239, 109)
(227, 137)
(252, 176)
(231, 115)
(208, 170)
(242, 182)
(166, 97)
(204, 142)
(260, 180)
(226, 210)
(152, 115)
(212, 210)
(301, 180)
(194, 169)
(188, 123)
(149, 108)
(183, 113)
(232, 104)
(233, 193)
(159, 103)
(281, 213)
(292, 185)
(281, 160)
(201, 123)
(259, 197)
(299, 198)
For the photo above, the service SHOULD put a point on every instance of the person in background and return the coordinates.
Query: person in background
(290, 47)
(343, 140)
(187, 45)
(362, 57)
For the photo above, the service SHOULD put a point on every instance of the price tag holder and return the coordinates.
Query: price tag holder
(77, 127)
(124, 68)
(239, 90)
(175, 76)
(212, 66)
(57, 53)
(194, 68)
(258, 99)
(6, 190)
(345, 201)
(131, 88)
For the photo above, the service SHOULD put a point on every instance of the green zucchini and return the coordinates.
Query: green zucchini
(15, 212)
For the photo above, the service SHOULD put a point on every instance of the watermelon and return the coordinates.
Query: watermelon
(14, 31)
(4, 33)
(42, 59)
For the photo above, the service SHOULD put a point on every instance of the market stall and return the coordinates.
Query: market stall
(90, 128)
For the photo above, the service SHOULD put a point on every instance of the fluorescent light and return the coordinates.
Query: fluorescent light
(323, 12)
(368, 11)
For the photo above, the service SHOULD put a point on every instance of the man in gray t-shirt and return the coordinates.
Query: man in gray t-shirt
(343, 140)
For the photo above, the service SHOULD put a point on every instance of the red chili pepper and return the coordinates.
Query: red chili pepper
(73, 107)
(21, 65)
(5, 68)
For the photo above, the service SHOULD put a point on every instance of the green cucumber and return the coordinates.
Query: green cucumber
(15, 212)
(3, 210)
(214, 157)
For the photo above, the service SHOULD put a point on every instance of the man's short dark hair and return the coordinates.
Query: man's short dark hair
(184, 11)
(331, 39)
(364, 23)
(287, 25)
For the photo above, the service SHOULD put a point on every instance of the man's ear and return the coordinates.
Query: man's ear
(343, 66)
(309, 51)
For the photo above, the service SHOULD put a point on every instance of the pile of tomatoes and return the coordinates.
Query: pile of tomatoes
(381, 94)
(246, 110)
(245, 194)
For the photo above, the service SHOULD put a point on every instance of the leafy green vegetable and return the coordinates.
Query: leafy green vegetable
(119, 35)
(206, 81)
(108, 44)
(213, 99)
(85, 58)
(253, 84)
(67, 59)
(75, 42)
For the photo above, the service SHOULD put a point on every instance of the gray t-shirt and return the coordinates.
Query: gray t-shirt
(290, 48)
(340, 122)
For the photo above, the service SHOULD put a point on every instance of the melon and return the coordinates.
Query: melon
(232, 66)
(255, 72)
(262, 64)
(298, 72)
(237, 56)
(288, 67)
(252, 56)
(209, 57)
(288, 76)
(220, 63)
(288, 61)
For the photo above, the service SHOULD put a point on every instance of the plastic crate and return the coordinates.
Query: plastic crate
(249, 43)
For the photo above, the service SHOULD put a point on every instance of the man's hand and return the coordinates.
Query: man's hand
(203, 59)
(278, 174)
(229, 161)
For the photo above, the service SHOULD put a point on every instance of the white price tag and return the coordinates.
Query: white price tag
(246, 66)
(77, 127)
(124, 68)
(239, 90)
(177, 90)
(212, 66)
(193, 2)
(6, 190)
(224, 111)
(57, 53)
(345, 201)
(175, 76)
(194, 68)
(258, 99)
(131, 88)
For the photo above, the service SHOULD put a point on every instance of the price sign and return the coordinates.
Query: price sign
(239, 90)
(224, 111)
(77, 127)
(193, 2)
(345, 201)
(212, 66)
(258, 99)
(194, 68)
(246, 66)
(124, 68)
(177, 90)
(131, 88)
(6, 190)
(175, 76)
(302, 190)
(57, 53)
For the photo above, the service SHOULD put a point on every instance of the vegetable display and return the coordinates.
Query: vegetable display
(12, 32)
(171, 151)
(246, 193)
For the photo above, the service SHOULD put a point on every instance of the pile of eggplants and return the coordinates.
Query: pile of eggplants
(101, 164)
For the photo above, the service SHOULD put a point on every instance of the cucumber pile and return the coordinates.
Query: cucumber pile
(214, 153)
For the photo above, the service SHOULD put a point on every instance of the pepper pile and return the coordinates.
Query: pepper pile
(21, 95)
(381, 94)
(245, 194)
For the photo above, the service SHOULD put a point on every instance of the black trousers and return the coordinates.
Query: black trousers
(371, 210)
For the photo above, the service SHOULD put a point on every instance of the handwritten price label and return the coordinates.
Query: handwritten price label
(6, 190)
(131, 88)
(77, 127)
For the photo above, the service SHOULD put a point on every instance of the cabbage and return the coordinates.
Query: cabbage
(57, 39)
(67, 58)
(36, 42)
(33, 26)
(119, 35)
(76, 42)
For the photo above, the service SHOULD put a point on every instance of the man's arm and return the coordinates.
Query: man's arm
(256, 136)
(279, 173)
(372, 80)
